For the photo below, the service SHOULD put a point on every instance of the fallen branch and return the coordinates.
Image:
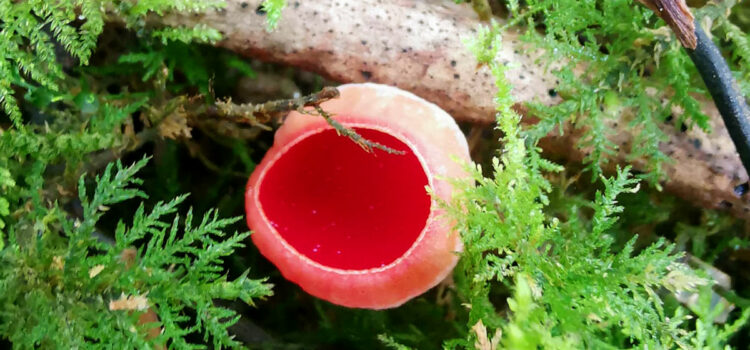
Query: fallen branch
(418, 46)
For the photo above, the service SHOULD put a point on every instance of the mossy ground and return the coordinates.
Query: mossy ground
(588, 262)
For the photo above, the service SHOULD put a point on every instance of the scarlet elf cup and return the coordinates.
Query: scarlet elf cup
(355, 228)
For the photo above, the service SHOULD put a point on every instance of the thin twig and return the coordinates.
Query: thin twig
(366, 144)
(259, 114)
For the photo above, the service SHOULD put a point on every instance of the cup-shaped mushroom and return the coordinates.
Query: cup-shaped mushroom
(353, 227)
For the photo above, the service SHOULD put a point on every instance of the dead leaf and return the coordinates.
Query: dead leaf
(57, 263)
(128, 257)
(175, 126)
(483, 342)
(129, 302)
(95, 270)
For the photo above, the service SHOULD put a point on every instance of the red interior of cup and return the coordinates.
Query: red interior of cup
(343, 207)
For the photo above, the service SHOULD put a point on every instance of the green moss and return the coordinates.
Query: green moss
(551, 259)
(84, 291)
(573, 287)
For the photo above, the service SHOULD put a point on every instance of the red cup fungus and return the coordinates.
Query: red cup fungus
(355, 228)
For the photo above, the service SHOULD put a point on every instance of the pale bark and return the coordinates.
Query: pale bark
(419, 46)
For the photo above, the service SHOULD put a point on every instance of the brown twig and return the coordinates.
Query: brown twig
(259, 114)
(678, 17)
(366, 144)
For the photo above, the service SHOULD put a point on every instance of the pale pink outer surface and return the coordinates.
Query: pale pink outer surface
(441, 147)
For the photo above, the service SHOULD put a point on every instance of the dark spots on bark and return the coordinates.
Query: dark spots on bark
(456, 76)
(552, 93)
(453, 63)
(696, 143)
(364, 42)
(260, 11)
(741, 189)
(522, 77)
(669, 118)
(296, 4)
(725, 205)
(365, 74)
(683, 127)
(243, 5)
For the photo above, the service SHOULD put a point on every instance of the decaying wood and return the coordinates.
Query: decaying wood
(419, 46)
(415, 45)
